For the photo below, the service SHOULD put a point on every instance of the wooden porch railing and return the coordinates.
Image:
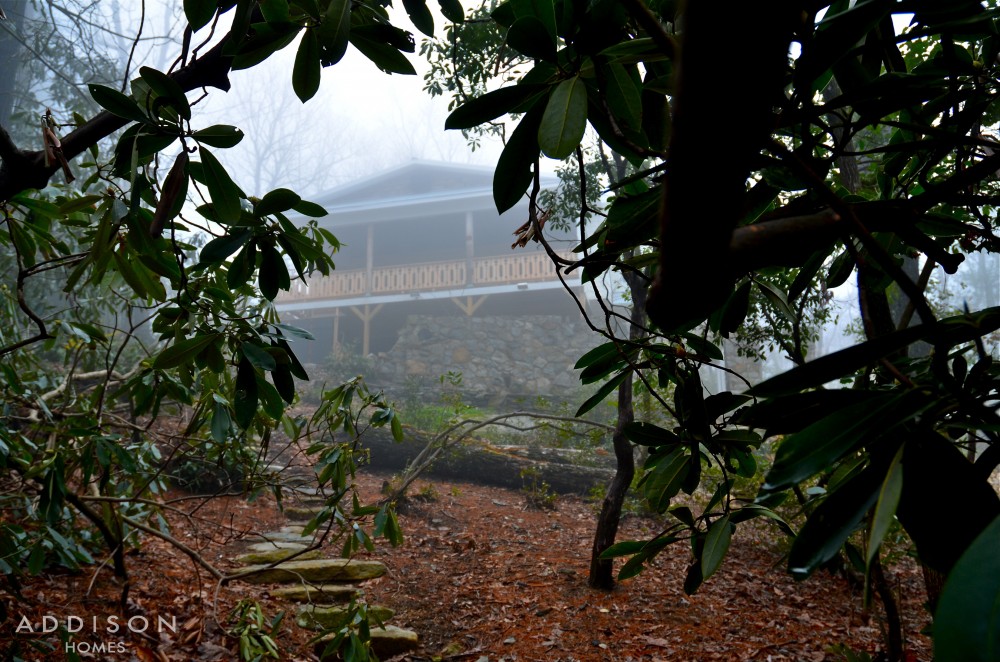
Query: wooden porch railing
(428, 276)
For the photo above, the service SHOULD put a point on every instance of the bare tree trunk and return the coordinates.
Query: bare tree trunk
(9, 49)
(602, 570)
(894, 623)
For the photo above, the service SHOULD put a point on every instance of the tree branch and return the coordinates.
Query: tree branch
(21, 169)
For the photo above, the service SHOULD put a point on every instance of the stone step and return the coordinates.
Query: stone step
(316, 571)
(386, 642)
(319, 617)
(302, 512)
(286, 536)
(269, 553)
(268, 545)
(298, 480)
(322, 594)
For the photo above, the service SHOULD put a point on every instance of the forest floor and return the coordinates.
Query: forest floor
(482, 577)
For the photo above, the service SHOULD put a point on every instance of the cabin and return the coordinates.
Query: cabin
(427, 283)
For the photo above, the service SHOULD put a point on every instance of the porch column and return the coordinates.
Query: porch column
(336, 330)
(469, 305)
(366, 315)
(369, 259)
(470, 250)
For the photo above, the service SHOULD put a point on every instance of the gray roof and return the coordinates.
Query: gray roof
(414, 189)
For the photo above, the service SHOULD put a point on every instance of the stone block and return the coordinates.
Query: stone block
(316, 571)
(318, 617)
(323, 594)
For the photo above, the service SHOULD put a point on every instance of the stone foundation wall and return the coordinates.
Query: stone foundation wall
(499, 357)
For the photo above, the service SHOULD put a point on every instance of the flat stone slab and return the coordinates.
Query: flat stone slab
(273, 554)
(287, 536)
(268, 545)
(318, 617)
(303, 512)
(386, 642)
(317, 571)
(323, 594)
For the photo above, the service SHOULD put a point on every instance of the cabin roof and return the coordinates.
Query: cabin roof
(413, 189)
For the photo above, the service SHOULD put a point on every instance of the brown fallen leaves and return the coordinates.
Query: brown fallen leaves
(481, 576)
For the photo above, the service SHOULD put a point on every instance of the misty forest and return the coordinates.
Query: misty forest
(496, 331)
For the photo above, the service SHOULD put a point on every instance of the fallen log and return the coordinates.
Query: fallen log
(480, 462)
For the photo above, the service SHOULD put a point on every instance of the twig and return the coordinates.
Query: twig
(195, 556)
(770, 646)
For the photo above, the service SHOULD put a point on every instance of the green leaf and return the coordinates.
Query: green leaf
(385, 57)
(273, 275)
(221, 422)
(420, 15)
(83, 203)
(490, 106)
(334, 32)
(258, 356)
(276, 201)
(309, 209)
(245, 395)
(664, 480)
(223, 191)
(934, 466)
(199, 12)
(602, 354)
(222, 136)
(648, 434)
(702, 347)
(716, 545)
(564, 120)
(289, 330)
(270, 400)
(777, 298)
(602, 393)
(117, 103)
(167, 90)
(274, 11)
(624, 97)
(452, 10)
(735, 310)
(840, 270)
(220, 248)
(283, 383)
(513, 174)
(720, 403)
(624, 548)
(885, 507)
(529, 36)
(833, 521)
(791, 413)
(397, 428)
(967, 621)
(306, 71)
(266, 39)
(184, 351)
(818, 446)
(752, 510)
(242, 266)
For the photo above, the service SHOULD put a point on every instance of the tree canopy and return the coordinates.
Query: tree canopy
(777, 152)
